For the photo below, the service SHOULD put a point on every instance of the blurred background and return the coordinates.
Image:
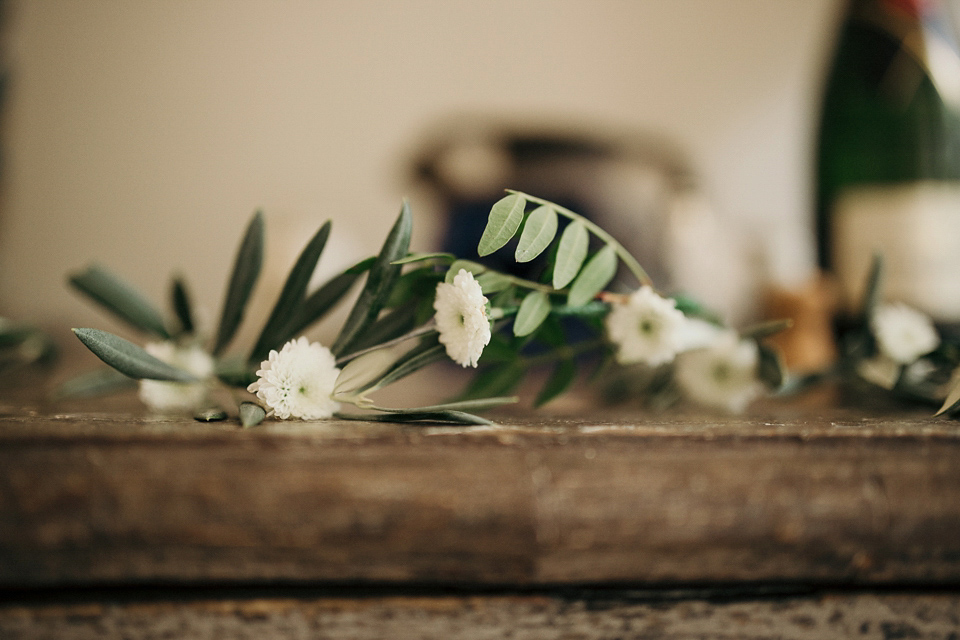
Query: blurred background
(142, 135)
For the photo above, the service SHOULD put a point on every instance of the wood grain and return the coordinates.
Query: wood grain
(104, 498)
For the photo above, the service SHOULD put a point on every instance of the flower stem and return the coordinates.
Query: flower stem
(624, 255)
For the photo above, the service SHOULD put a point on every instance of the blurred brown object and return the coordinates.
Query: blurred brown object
(808, 346)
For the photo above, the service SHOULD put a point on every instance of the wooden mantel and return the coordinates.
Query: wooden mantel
(120, 497)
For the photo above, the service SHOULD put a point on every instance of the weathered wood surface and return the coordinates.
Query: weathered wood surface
(521, 617)
(115, 497)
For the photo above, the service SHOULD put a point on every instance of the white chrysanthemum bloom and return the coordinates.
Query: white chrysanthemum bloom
(178, 396)
(461, 317)
(722, 375)
(903, 334)
(298, 381)
(646, 328)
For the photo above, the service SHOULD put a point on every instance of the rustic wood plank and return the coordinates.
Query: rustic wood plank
(521, 617)
(96, 498)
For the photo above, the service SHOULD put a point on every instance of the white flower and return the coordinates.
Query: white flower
(178, 396)
(903, 334)
(723, 375)
(297, 381)
(461, 316)
(646, 328)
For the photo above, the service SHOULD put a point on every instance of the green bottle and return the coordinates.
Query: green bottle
(888, 159)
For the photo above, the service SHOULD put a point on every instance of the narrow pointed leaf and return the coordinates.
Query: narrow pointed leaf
(559, 381)
(292, 295)
(365, 369)
(99, 382)
(502, 224)
(380, 280)
(318, 304)
(246, 270)
(495, 381)
(874, 290)
(128, 358)
(438, 417)
(596, 275)
(236, 372)
(766, 329)
(533, 311)
(771, 369)
(571, 252)
(410, 363)
(953, 398)
(460, 405)
(180, 300)
(423, 257)
(538, 232)
(120, 299)
(251, 414)
(390, 325)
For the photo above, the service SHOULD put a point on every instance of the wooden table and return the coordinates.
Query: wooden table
(789, 523)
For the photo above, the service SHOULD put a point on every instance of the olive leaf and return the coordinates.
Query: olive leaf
(251, 414)
(130, 359)
(428, 352)
(559, 381)
(571, 252)
(246, 270)
(180, 301)
(98, 382)
(291, 295)
(502, 224)
(596, 275)
(430, 417)
(423, 257)
(318, 304)
(771, 369)
(533, 311)
(380, 280)
(538, 232)
(119, 298)
(495, 381)
(952, 400)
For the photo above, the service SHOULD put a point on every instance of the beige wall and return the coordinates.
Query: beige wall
(143, 133)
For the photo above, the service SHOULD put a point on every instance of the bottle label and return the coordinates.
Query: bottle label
(916, 228)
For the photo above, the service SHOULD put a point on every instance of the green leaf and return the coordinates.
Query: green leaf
(571, 253)
(246, 270)
(596, 275)
(92, 384)
(364, 370)
(771, 369)
(559, 381)
(251, 414)
(213, 414)
(318, 304)
(422, 257)
(437, 417)
(952, 400)
(478, 404)
(128, 358)
(503, 222)
(363, 266)
(533, 311)
(495, 381)
(388, 326)
(380, 281)
(493, 281)
(766, 329)
(538, 232)
(236, 372)
(475, 268)
(411, 362)
(292, 295)
(119, 298)
(414, 284)
(180, 300)
(874, 289)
